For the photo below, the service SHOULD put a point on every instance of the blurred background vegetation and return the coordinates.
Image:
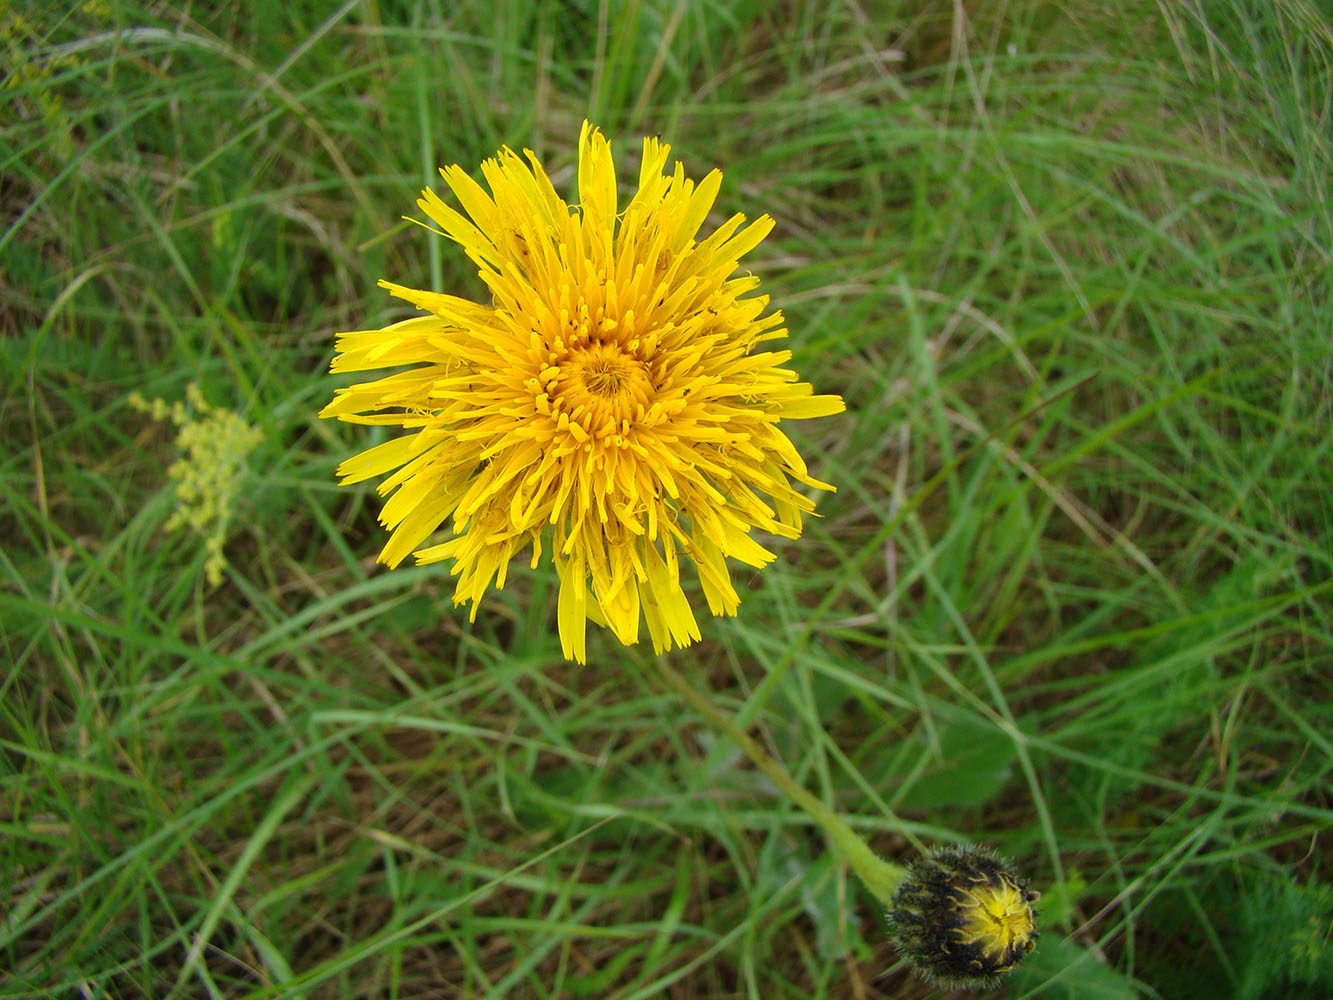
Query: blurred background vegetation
(1068, 263)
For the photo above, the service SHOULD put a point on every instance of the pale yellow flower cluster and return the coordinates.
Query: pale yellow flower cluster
(213, 443)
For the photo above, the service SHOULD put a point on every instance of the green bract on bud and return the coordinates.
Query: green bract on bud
(961, 918)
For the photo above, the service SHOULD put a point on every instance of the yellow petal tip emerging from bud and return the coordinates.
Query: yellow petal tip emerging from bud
(962, 918)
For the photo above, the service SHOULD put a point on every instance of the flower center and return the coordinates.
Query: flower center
(608, 379)
(997, 917)
(606, 376)
(602, 388)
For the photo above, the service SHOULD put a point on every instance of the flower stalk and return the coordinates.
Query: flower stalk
(880, 877)
(960, 916)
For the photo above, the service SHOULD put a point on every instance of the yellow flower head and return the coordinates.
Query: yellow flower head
(610, 400)
(963, 918)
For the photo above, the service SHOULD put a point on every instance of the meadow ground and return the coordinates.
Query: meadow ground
(1068, 264)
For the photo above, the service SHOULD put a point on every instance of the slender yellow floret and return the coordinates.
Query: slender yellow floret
(610, 404)
(214, 443)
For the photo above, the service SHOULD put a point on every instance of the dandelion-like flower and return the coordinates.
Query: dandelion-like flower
(962, 918)
(609, 403)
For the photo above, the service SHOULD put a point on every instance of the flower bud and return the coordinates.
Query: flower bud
(961, 918)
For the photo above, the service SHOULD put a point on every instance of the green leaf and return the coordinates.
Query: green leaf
(1059, 968)
(1058, 898)
(971, 765)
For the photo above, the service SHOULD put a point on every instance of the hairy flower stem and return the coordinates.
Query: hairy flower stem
(880, 877)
